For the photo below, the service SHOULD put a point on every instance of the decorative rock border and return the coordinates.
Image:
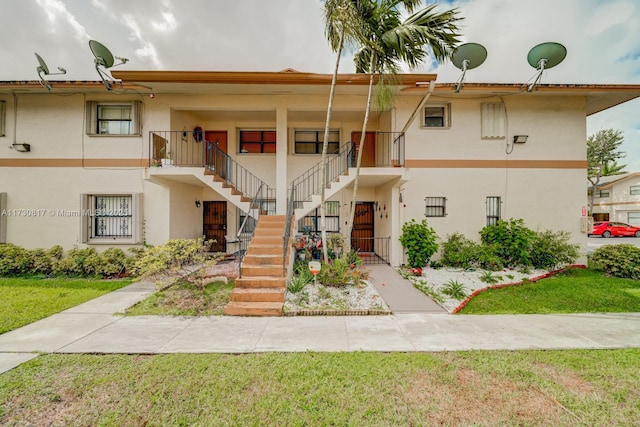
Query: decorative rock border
(334, 312)
(505, 285)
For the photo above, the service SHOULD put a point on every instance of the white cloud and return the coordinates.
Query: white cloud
(601, 38)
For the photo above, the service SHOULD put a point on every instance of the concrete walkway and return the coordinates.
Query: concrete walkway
(399, 293)
(93, 328)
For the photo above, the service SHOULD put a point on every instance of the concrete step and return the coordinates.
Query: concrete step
(269, 270)
(267, 240)
(235, 308)
(258, 295)
(262, 282)
(264, 231)
(265, 250)
(273, 218)
(265, 259)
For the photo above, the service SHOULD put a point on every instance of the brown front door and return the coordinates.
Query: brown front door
(219, 162)
(215, 225)
(369, 153)
(362, 233)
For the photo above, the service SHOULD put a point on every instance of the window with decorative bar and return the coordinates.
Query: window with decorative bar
(493, 209)
(111, 217)
(109, 118)
(310, 141)
(311, 222)
(3, 218)
(435, 206)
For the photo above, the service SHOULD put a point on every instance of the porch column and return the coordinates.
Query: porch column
(397, 213)
(281, 160)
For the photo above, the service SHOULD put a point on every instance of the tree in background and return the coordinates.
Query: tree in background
(603, 152)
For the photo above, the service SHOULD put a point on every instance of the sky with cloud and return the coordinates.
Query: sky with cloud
(601, 37)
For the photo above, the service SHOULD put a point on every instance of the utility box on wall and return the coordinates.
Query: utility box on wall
(586, 224)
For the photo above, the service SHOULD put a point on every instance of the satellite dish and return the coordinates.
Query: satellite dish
(467, 57)
(544, 56)
(104, 59)
(44, 69)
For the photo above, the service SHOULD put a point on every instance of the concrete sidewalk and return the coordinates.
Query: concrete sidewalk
(92, 328)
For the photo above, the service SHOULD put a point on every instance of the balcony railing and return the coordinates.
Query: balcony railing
(180, 148)
(190, 149)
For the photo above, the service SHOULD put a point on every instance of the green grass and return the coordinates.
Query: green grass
(25, 300)
(581, 387)
(184, 299)
(574, 291)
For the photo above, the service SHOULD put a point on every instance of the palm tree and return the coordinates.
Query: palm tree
(343, 24)
(389, 42)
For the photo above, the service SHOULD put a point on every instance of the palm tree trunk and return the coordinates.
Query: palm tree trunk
(325, 145)
(354, 199)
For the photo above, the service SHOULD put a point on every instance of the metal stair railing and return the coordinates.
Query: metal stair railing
(287, 231)
(248, 227)
(310, 182)
(234, 174)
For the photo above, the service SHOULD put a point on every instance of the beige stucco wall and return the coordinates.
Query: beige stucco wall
(548, 196)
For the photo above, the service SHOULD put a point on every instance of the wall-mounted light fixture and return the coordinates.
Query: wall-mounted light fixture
(198, 204)
(520, 139)
(23, 147)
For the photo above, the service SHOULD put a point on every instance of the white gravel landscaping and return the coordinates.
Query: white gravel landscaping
(315, 297)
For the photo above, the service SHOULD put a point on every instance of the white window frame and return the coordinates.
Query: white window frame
(634, 190)
(92, 124)
(88, 214)
(446, 116)
(631, 218)
(3, 113)
(318, 142)
(493, 120)
(602, 194)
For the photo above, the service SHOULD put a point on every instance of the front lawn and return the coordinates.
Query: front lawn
(25, 300)
(185, 299)
(574, 291)
(576, 387)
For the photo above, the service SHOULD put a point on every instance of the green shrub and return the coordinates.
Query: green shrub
(617, 260)
(512, 239)
(14, 260)
(488, 277)
(551, 250)
(488, 258)
(78, 263)
(170, 257)
(419, 240)
(340, 273)
(458, 251)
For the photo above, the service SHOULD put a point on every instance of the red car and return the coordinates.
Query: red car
(614, 229)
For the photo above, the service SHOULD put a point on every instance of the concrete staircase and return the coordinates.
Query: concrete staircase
(260, 290)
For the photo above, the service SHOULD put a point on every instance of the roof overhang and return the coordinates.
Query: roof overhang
(599, 97)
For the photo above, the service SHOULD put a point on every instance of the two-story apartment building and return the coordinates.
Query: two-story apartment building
(181, 154)
(617, 198)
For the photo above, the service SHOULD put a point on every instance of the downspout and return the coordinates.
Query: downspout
(432, 85)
